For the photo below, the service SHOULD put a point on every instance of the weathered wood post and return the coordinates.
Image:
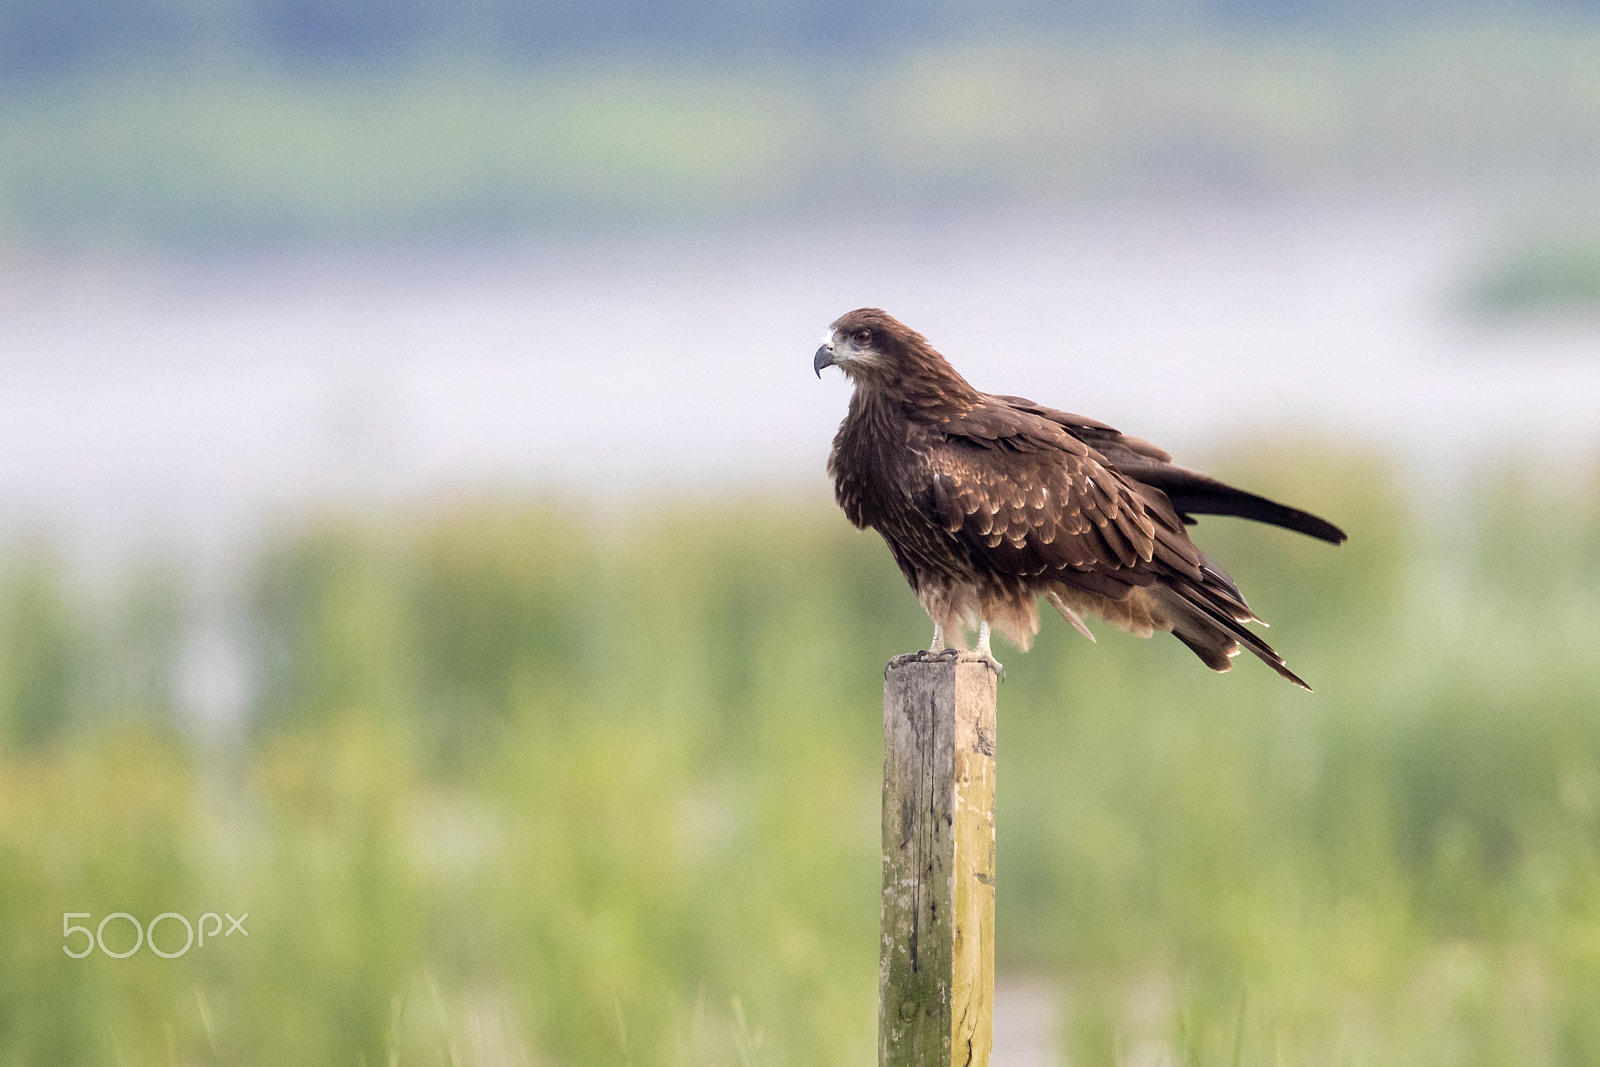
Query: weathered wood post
(936, 957)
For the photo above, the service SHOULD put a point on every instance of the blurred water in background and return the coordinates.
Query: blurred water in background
(197, 399)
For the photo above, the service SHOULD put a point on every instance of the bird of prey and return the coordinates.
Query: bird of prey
(989, 502)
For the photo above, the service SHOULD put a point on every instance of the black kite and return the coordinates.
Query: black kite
(988, 502)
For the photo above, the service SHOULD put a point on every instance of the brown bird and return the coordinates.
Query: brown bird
(988, 502)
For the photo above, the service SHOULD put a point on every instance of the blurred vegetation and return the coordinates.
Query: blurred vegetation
(247, 147)
(1543, 274)
(52, 40)
(539, 783)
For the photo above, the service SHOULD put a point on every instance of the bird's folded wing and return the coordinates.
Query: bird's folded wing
(1032, 500)
(1191, 492)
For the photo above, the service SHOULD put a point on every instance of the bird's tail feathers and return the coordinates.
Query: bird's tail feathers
(1211, 621)
(1193, 493)
(1069, 613)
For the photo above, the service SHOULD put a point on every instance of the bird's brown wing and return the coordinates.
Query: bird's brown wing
(1036, 504)
(1190, 492)
(1030, 500)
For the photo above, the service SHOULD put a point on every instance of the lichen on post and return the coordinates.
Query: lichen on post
(936, 959)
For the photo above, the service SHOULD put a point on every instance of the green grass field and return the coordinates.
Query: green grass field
(522, 786)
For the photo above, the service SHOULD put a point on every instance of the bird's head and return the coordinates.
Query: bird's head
(869, 345)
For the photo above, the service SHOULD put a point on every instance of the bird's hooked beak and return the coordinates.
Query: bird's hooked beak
(824, 357)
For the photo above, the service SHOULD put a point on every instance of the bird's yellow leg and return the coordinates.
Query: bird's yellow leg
(936, 650)
(982, 654)
(939, 648)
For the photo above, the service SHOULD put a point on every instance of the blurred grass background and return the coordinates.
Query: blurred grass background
(534, 782)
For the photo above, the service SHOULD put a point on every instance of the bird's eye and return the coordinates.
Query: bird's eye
(862, 337)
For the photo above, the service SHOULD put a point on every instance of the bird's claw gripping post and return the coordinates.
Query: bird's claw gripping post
(945, 655)
(901, 660)
(986, 659)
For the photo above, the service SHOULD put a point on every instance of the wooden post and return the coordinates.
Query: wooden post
(936, 958)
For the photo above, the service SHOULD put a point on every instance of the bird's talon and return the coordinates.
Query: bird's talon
(986, 659)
